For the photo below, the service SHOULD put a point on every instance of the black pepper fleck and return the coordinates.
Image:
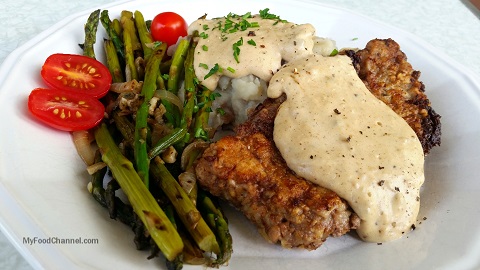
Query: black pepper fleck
(397, 189)
(381, 167)
(381, 182)
(337, 111)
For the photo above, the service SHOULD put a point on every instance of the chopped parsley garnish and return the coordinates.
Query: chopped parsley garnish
(232, 70)
(220, 111)
(205, 47)
(203, 35)
(165, 77)
(334, 52)
(213, 96)
(201, 134)
(203, 65)
(236, 49)
(205, 27)
(265, 14)
(156, 44)
(252, 42)
(216, 68)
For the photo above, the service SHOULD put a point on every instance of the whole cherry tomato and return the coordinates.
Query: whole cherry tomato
(168, 27)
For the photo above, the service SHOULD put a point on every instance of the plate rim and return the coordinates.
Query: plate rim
(16, 54)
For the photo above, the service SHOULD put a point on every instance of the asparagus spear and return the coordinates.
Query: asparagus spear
(176, 69)
(210, 210)
(176, 264)
(204, 104)
(141, 129)
(186, 210)
(113, 63)
(91, 34)
(131, 44)
(128, 25)
(216, 220)
(117, 26)
(144, 34)
(113, 34)
(190, 85)
(98, 192)
(126, 128)
(144, 204)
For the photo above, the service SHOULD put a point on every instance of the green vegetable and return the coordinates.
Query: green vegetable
(141, 128)
(144, 204)
(144, 35)
(113, 34)
(188, 213)
(91, 34)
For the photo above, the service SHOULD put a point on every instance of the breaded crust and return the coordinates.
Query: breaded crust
(250, 173)
(384, 69)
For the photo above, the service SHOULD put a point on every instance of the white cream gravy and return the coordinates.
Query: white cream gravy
(332, 131)
(273, 41)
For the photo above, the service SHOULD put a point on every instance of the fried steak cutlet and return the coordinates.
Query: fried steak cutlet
(248, 171)
(384, 69)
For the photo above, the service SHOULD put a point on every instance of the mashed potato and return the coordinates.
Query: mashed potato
(248, 51)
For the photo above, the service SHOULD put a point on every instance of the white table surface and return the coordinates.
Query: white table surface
(453, 26)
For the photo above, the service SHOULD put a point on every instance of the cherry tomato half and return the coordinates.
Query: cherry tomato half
(77, 73)
(67, 111)
(168, 27)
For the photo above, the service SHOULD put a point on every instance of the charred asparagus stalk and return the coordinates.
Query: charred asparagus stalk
(131, 44)
(190, 85)
(188, 213)
(113, 63)
(113, 34)
(91, 33)
(144, 35)
(144, 204)
(176, 70)
(98, 192)
(141, 128)
(216, 220)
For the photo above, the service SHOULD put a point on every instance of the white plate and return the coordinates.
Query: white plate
(43, 182)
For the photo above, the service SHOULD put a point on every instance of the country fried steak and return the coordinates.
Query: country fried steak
(248, 171)
(384, 69)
